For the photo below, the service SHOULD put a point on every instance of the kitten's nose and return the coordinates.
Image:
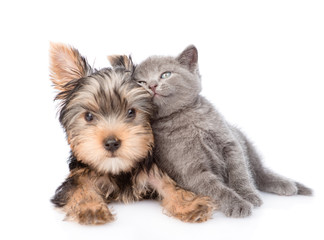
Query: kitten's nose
(112, 144)
(153, 87)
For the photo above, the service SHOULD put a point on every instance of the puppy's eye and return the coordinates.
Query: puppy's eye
(88, 116)
(131, 113)
(141, 82)
(165, 75)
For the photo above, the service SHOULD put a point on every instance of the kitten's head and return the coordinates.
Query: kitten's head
(173, 82)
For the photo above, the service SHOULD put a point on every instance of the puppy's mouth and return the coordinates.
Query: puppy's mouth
(111, 155)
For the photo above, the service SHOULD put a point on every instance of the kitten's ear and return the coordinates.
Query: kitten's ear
(66, 64)
(189, 58)
(121, 61)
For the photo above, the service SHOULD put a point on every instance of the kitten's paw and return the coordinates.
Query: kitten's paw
(285, 188)
(91, 214)
(253, 198)
(303, 190)
(238, 209)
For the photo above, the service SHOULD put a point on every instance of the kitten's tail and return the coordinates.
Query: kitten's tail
(268, 181)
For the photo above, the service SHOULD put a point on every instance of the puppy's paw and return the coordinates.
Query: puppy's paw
(237, 209)
(95, 216)
(91, 214)
(188, 207)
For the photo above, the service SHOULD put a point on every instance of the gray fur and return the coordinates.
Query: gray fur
(197, 147)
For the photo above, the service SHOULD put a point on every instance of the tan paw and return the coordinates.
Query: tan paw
(91, 214)
(189, 207)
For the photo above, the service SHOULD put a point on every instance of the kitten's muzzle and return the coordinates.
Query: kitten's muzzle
(153, 87)
(111, 144)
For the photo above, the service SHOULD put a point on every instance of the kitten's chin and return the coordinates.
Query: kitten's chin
(158, 99)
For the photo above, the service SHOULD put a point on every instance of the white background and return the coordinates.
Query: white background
(262, 65)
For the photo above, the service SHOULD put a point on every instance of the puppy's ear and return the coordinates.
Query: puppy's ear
(189, 58)
(66, 64)
(121, 61)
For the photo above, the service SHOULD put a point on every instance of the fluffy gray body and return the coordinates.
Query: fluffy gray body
(197, 147)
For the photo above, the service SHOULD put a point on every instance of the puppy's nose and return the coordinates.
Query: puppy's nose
(112, 144)
(153, 87)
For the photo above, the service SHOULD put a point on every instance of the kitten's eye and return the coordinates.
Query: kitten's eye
(165, 75)
(88, 116)
(131, 113)
(141, 82)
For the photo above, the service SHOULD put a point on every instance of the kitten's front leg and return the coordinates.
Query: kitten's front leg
(206, 183)
(238, 174)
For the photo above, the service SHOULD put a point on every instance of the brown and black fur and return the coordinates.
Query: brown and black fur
(106, 117)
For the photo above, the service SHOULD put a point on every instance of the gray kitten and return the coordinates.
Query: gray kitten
(197, 147)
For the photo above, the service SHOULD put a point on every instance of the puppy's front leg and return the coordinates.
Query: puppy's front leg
(80, 200)
(179, 203)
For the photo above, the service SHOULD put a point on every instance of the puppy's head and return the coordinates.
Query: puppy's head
(105, 114)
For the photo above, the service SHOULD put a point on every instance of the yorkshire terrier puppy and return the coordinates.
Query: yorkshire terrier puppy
(106, 117)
